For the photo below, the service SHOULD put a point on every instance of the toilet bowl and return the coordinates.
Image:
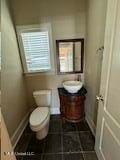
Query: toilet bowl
(39, 118)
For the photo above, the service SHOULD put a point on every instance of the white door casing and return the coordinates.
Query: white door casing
(107, 144)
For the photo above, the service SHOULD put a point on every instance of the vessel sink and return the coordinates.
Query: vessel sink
(72, 86)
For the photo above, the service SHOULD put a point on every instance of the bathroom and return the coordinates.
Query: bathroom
(69, 133)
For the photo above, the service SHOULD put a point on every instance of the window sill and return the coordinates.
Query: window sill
(38, 73)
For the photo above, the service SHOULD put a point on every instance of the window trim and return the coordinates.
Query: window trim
(27, 28)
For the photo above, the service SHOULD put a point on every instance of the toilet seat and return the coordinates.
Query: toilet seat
(39, 117)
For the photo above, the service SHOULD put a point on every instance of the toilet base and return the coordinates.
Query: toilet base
(43, 132)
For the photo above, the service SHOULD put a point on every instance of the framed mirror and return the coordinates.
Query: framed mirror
(70, 56)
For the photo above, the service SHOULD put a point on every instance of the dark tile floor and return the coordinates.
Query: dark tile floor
(65, 141)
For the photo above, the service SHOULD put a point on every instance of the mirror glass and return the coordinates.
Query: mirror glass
(70, 55)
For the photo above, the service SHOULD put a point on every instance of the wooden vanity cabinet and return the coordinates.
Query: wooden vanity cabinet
(72, 105)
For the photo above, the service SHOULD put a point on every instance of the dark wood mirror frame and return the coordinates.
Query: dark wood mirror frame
(82, 54)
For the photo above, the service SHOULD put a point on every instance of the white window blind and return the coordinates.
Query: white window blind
(37, 50)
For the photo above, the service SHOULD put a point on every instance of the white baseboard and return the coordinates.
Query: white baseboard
(91, 124)
(20, 129)
(55, 110)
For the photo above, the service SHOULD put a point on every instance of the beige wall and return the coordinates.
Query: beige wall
(68, 20)
(95, 39)
(14, 105)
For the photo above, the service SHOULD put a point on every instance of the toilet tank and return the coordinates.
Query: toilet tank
(42, 98)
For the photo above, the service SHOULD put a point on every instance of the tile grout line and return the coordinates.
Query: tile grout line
(80, 144)
(27, 144)
(69, 152)
(43, 153)
(69, 132)
(62, 140)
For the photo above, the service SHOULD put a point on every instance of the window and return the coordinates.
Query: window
(35, 49)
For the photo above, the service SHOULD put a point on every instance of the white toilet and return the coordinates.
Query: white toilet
(39, 118)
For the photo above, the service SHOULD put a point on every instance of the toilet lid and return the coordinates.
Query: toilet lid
(39, 115)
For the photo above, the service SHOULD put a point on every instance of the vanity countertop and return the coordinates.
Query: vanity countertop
(81, 92)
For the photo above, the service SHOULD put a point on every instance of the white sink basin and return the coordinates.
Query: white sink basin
(72, 86)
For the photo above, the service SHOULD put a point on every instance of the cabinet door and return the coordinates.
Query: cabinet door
(74, 108)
